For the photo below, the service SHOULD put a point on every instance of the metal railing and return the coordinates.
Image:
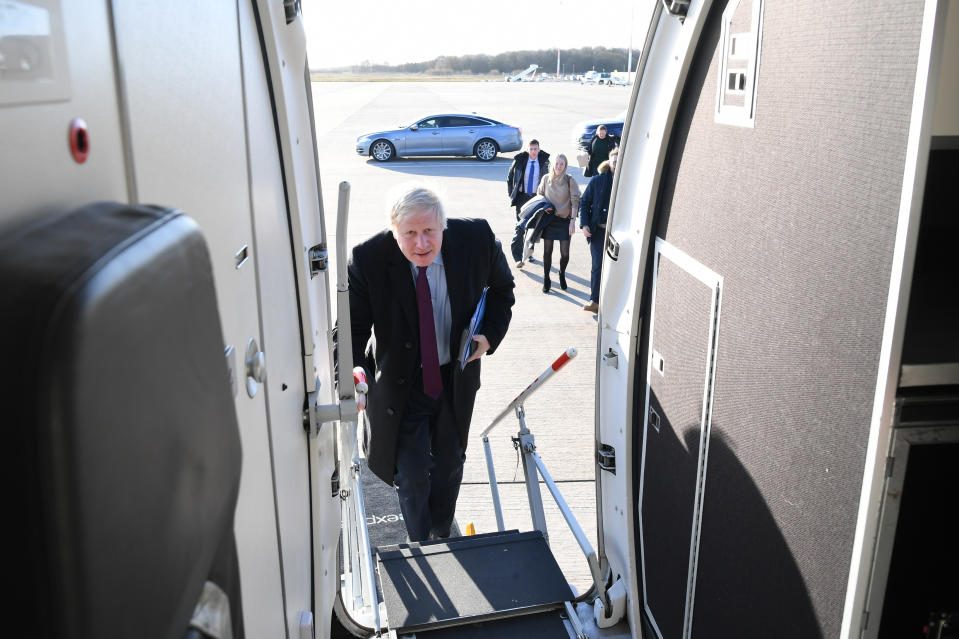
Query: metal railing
(357, 589)
(533, 467)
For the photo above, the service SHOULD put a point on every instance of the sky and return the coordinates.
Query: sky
(348, 32)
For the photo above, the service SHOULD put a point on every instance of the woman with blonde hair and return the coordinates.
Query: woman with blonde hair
(562, 191)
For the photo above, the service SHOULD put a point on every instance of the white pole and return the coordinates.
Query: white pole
(629, 64)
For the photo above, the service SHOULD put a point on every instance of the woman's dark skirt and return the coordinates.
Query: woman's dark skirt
(558, 229)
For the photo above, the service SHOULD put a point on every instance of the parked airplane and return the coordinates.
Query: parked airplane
(777, 415)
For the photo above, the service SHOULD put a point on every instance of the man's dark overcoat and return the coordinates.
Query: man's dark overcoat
(383, 300)
(517, 170)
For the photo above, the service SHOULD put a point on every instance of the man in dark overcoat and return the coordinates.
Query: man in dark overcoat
(527, 169)
(415, 287)
(599, 147)
(593, 213)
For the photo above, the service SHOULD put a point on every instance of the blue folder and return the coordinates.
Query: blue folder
(468, 345)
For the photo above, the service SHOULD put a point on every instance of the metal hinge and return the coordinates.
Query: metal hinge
(319, 258)
(292, 9)
(890, 464)
(335, 480)
(678, 8)
(606, 458)
(611, 358)
(612, 247)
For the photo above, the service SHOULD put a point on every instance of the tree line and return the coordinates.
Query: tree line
(572, 61)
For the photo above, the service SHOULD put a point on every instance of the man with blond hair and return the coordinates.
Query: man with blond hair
(414, 287)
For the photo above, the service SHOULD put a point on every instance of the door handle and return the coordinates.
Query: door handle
(255, 367)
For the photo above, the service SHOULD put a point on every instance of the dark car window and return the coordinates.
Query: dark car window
(431, 123)
(464, 121)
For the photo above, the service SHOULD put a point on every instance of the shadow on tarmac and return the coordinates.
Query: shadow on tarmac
(472, 168)
(570, 295)
(468, 167)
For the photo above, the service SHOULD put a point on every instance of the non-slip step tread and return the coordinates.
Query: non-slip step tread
(543, 625)
(469, 580)
(385, 550)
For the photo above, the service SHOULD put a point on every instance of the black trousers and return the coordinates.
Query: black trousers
(429, 462)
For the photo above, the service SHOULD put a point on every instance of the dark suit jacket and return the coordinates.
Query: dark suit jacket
(383, 300)
(594, 204)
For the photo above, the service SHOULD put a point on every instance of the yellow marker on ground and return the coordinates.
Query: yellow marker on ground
(470, 529)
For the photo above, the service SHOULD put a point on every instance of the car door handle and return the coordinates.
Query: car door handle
(436, 132)
(472, 131)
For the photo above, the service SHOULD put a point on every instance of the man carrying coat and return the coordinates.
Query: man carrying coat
(524, 175)
(415, 286)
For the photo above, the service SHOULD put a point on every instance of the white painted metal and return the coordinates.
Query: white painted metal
(599, 579)
(286, 57)
(900, 283)
(184, 99)
(946, 118)
(527, 444)
(37, 173)
(277, 303)
(43, 77)
(660, 79)
(494, 489)
(286, 61)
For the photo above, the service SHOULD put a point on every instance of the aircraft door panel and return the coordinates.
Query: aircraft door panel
(189, 151)
(284, 387)
(680, 371)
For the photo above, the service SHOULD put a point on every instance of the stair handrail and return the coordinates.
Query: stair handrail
(560, 362)
(348, 389)
(525, 441)
(599, 579)
(516, 406)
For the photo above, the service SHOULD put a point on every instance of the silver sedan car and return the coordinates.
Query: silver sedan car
(449, 134)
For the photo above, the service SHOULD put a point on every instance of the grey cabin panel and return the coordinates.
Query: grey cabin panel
(799, 215)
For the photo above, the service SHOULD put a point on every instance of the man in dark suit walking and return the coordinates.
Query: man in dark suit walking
(527, 169)
(415, 287)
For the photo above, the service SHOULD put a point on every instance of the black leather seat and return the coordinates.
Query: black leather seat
(122, 451)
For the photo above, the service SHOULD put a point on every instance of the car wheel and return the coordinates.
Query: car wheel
(485, 150)
(382, 151)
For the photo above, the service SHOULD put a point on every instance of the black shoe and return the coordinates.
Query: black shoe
(562, 280)
(546, 285)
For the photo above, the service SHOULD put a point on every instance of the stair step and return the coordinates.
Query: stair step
(451, 541)
(543, 625)
(467, 580)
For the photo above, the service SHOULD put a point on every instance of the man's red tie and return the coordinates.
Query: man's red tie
(432, 383)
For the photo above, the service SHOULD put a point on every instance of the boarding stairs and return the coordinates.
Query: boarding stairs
(505, 583)
(522, 75)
